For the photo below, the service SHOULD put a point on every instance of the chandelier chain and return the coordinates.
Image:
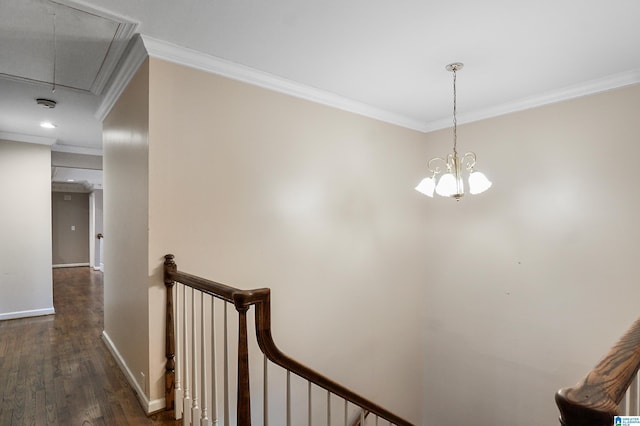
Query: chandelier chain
(455, 120)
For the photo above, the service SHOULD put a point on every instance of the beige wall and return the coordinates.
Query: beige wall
(25, 230)
(70, 228)
(126, 305)
(258, 189)
(439, 310)
(530, 283)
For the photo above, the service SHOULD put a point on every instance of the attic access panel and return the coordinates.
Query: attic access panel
(88, 43)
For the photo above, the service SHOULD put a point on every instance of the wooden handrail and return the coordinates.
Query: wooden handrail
(238, 297)
(261, 298)
(594, 400)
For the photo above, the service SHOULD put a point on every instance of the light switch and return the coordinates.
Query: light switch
(73, 227)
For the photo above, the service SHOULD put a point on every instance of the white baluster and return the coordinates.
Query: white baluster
(632, 407)
(346, 403)
(195, 409)
(288, 398)
(328, 408)
(636, 386)
(361, 416)
(214, 367)
(177, 395)
(227, 421)
(309, 403)
(265, 391)
(203, 355)
(186, 414)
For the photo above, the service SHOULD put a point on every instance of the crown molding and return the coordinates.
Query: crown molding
(125, 31)
(142, 46)
(188, 57)
(134, 55)
(20, 137)
(587, 88)
(72, 149)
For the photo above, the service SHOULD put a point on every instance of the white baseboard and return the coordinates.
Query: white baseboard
(150, 406)
(70, 265)
(96, 268)
(27, 314)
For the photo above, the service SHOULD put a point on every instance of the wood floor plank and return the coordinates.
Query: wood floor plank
(19, 403)
(55, 370)
(52, 419)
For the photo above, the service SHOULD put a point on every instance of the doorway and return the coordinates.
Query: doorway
(76, 216)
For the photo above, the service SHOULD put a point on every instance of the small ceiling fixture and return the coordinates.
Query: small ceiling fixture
(46, 103)
(451, 184)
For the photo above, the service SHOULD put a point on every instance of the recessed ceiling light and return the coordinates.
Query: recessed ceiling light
(70, 180)
(48, 125)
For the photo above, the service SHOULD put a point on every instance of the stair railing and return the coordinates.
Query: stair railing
(600, 396)
(192, 378)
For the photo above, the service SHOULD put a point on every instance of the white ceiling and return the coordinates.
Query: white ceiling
(38, 34)
(387, 55)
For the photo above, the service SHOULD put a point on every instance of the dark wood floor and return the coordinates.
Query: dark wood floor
(55, 370)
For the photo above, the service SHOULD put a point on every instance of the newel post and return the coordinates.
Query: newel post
(170, 367)
(244, 398)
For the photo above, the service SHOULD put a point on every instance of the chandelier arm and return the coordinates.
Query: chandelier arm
(434, 167)
(469, 160)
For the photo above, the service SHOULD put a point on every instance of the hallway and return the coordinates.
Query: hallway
(55, 370)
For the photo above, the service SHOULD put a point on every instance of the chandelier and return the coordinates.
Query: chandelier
(452, 183)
